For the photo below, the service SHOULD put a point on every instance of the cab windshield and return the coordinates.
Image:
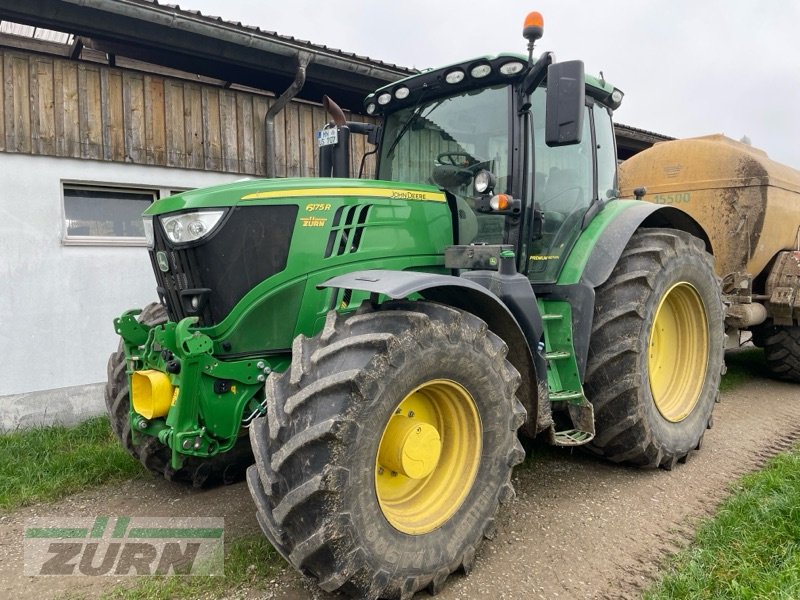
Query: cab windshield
(445, 142)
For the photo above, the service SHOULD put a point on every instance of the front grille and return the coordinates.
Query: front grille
(251, 245)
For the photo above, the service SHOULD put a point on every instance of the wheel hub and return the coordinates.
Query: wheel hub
(411, 448)
(428, 457)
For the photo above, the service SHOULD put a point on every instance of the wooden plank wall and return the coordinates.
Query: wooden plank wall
(56, 107)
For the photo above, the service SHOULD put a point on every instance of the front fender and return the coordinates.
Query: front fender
(470, 297)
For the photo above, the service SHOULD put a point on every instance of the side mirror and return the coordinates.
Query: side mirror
(566, 97)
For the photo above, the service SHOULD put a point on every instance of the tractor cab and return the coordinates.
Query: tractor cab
(525, 151)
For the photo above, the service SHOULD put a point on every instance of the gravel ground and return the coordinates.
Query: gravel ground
(579, 528)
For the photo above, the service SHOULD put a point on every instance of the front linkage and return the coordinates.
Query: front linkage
(181, 394)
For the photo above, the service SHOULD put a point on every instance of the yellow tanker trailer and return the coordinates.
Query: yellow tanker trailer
(748, 207)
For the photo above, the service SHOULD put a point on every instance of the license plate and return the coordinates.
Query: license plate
(327, 137)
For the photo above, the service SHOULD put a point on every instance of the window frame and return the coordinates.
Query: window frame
(157, 192)
(607, 117)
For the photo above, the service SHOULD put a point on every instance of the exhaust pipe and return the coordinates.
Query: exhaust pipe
(334, 110)
(334, 160)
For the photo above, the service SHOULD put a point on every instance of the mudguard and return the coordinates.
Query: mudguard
(603, 258)
(615, 237)
(473, 298)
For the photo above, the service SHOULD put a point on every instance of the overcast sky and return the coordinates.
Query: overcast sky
(687, 67)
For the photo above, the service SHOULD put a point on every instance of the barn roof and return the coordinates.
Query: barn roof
(189, 41)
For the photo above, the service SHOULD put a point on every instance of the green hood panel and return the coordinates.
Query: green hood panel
(264, 190)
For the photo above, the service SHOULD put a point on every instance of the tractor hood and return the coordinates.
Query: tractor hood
(261, 190)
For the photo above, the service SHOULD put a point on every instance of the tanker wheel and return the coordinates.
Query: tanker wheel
(782, 351)
(387, 447)
(228, 467)
(656, 352)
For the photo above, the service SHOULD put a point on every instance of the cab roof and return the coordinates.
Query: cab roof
(502, 68)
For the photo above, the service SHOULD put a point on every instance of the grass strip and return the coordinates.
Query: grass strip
(250, 563)
(751, 548)
(48, 463)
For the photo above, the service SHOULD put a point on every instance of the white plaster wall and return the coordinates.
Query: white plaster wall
(57, 302)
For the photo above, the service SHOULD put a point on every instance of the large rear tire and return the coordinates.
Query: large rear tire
(656, 353)
(228, 467)
(782, 351)
(387, 448)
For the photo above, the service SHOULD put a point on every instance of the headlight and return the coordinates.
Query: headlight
(456, 76)
(480, 71)
(188, 227)
(512, 68)
(484, 181)
(148, 231)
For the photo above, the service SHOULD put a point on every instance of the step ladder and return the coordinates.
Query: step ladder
(563, 377)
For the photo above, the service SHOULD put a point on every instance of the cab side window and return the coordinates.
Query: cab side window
(564, 175)
(563, 191)
(606, 153)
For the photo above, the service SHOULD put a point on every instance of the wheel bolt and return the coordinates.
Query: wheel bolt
(411, 414)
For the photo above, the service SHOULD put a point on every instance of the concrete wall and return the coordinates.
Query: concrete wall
(57, 301)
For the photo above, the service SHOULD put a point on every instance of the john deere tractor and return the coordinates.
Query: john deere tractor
(383, 342)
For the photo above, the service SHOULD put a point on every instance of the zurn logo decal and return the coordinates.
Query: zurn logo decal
(124, 546)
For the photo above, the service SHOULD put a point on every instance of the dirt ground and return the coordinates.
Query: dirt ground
(579, 528)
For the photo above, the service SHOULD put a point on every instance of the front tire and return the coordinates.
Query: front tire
(656, 352)
(226, 468)
(351, 485)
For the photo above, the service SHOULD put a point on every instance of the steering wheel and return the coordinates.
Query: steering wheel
(452, 158)
(572, 195)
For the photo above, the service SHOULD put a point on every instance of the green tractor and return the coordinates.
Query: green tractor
(380, 344)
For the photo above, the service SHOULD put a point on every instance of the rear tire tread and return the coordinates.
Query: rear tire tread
(782, 351)
(615, 375)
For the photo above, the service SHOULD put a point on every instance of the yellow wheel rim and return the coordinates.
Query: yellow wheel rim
(428, 456)
(678, 352)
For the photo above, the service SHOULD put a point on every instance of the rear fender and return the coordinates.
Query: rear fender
(616, 236)
(604, 257)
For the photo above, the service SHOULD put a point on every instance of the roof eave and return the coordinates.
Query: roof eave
(173, 37)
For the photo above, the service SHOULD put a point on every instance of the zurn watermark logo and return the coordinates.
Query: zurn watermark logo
(124, 546)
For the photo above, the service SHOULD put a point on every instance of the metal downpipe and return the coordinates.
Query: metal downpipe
(303, 60)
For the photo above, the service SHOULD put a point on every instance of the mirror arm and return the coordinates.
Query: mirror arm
(537, 73)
